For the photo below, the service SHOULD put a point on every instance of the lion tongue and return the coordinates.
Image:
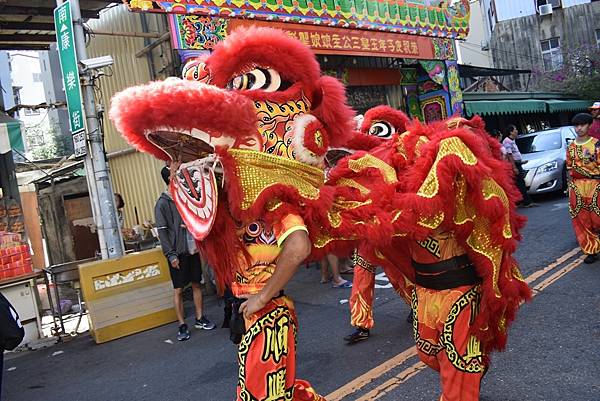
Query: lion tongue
(194, 190)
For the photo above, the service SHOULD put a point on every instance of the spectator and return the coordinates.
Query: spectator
(119, 205)
(11, 331)
(594, 131)
(498, 135)
(583, 165)
(336, 279)
(513, 155)
(182, 254)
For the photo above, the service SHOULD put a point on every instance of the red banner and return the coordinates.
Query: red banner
(326, 40)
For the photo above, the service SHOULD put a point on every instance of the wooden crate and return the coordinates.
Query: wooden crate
(127, 295)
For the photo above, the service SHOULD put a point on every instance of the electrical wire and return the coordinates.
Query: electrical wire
(525, 56)
(31, 162)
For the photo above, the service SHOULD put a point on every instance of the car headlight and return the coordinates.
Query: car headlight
(547, 167)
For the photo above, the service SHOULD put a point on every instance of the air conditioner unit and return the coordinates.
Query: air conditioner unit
(546, 9)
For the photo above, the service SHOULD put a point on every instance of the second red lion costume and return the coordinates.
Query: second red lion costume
(454, 266)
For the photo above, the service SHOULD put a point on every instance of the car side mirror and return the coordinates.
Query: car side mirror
(569, 140)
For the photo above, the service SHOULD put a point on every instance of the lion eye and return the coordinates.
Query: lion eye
(382, 129)
(265, 79)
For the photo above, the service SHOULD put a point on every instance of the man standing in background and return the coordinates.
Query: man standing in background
(513, 155)
(181, 251)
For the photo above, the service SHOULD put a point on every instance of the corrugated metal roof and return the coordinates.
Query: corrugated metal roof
(135, 176)
(29, 25)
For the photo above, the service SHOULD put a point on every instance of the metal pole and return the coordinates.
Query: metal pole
(107, 223)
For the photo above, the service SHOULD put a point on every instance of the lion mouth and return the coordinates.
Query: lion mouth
(194, 185)
(194, 191)
(183, 145)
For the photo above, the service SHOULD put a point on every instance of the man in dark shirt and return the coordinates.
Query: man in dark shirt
(181, 251)
(11, 331)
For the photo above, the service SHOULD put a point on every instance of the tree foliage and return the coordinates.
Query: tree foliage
(579, 75)
(47, 142)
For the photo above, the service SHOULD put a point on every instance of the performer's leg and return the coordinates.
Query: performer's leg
(361, 300)
(267, 356)
(585, 222)
(595, 212)
(461, 361)
(398, 281)
(426, 325)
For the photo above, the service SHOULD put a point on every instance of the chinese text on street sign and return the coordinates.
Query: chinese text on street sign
(68, 63)
(79, 144)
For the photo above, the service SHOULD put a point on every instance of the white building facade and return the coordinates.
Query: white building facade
(536, 34)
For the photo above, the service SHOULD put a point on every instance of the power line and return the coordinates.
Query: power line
(525, 56)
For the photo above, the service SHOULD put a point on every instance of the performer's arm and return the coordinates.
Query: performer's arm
(295, 248)
(165, 234)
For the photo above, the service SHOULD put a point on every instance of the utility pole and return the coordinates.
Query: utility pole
(96, 167)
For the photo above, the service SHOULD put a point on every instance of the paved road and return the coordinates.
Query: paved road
(553, 351)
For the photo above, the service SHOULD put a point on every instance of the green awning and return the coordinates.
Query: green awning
(10, 134)
(567, 105)
(494, 107)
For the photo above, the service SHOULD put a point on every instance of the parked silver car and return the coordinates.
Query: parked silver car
(546, 153)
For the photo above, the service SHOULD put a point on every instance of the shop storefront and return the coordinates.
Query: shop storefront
(17, 278)
(386, 52)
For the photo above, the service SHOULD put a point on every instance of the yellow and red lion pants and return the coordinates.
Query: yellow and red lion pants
(442, 319)
(363, 287)
(267, 357)
(585, 213)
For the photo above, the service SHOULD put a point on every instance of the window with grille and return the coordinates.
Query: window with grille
(551, 54)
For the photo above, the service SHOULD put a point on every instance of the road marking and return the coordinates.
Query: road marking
(382, 277)
(371, 375)
(394, 382)
(537, 274)
(402, 357)
(553, 278)
(560, 206)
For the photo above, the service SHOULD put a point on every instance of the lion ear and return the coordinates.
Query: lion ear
(332, 110)
(196, 70)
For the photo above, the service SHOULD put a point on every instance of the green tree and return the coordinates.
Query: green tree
(579, 75)
(47, 143)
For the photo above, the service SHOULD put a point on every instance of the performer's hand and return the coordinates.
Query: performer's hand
(252, 305)
(175, 263)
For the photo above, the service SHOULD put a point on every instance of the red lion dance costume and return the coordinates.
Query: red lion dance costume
(454, 265)
(258, 113)
(379, 125)
(258, 103)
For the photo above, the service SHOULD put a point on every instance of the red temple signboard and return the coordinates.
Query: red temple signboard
(203, 33)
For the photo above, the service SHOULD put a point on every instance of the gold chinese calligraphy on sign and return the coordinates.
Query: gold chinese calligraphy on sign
(327, 40)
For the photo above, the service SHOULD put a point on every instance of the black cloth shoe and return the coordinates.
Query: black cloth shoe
(183, 334)
(590, 258)
(357, 335)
